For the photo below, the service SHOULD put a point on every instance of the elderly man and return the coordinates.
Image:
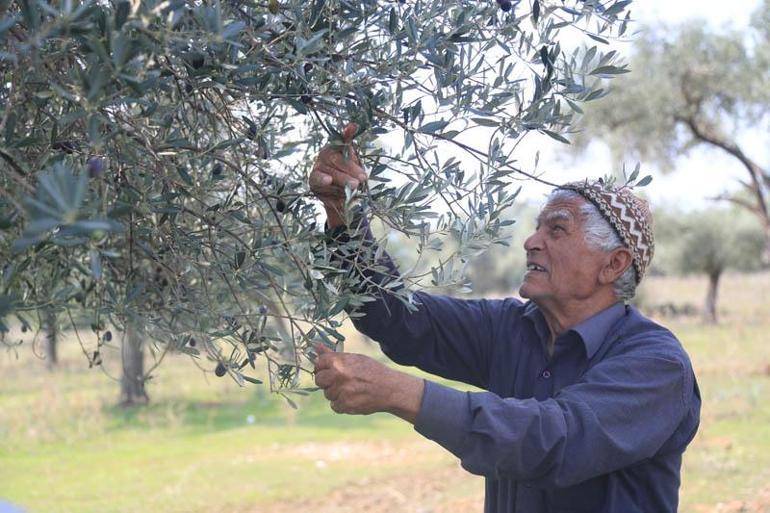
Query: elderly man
(588, 405)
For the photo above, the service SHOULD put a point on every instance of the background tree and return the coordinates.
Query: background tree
(162, 150)
(693, 87)
(708, 242)
(51, 340)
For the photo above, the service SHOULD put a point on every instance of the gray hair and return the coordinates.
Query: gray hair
(600, 234)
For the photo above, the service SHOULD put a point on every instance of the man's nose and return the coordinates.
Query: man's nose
(533, 242)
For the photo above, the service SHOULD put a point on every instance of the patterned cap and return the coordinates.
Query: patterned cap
(628, 214)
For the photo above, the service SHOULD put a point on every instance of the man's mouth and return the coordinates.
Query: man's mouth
(536, 268)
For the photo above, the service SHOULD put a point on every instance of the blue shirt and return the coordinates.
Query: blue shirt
(598, 427)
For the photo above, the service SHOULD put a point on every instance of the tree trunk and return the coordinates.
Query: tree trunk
(51, 338)
(766, 251)
(710, 311)
(132, 390)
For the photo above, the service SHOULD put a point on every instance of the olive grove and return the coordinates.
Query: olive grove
(154, 158)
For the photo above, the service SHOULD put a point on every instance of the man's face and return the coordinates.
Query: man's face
(561, 266)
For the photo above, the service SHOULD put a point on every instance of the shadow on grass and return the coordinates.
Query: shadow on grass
(263, 408)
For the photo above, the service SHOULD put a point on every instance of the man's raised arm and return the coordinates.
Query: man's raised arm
(450, 337)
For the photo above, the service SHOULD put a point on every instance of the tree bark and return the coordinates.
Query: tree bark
(710, 311)
(51, 338)
(132, 391)
(759, 176)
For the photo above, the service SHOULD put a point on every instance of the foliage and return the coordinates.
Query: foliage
(501, 269)
(708, 241)
(154, 155)
(693, 87)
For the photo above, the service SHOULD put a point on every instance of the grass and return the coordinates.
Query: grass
(205, 444)
(730, 458)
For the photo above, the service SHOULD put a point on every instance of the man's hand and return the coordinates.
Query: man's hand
(332, 171)
(357, 384)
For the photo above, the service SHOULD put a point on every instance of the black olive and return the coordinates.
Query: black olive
(308, 67)
(217, 169)
(306, 99)
(221, 370)
(65, 146)
(95, 167)
(107, 336)
(197, 60)
(280, 206)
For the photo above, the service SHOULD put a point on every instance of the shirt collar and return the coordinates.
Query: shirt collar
(592, 331)
(533, 313)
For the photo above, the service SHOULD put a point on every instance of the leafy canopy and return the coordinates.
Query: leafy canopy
(154, 155)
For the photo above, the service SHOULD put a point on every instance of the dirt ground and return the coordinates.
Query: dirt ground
(446, 489)
(434, 493)
(759, 504)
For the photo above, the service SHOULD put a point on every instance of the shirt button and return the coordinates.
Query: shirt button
(546, 374)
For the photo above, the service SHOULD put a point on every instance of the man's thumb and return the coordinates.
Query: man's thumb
(349, 132)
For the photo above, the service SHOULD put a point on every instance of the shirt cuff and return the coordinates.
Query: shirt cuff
(444, 416)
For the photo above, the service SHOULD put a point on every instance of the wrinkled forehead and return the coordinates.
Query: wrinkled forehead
(562, 210)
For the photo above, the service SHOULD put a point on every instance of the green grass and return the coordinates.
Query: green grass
(203, 443)
(161, 470)
(66, 447)
(730, 458)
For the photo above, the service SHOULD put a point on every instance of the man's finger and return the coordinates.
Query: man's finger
(324, 378)
(339, 178)
(331, 393)
(349, 132)
(336, 160)
(320, 178)
(322, 362)
(324, 359)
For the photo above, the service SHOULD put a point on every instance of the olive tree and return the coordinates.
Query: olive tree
(709, 242)
(691, 88)
(154, 155)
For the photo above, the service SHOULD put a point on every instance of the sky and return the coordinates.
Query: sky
(704, 173)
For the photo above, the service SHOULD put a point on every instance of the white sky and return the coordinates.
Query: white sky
(701, 175)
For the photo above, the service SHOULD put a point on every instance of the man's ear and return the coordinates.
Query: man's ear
(616, 264)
